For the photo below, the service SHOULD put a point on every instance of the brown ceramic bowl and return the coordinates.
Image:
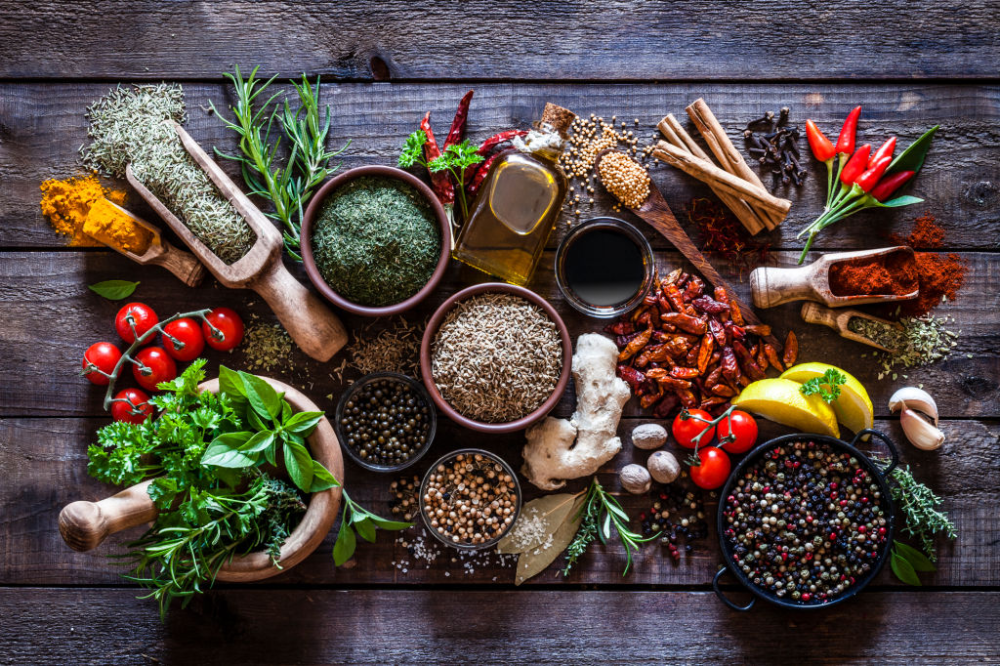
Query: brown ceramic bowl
(431, 331)
(312, 212)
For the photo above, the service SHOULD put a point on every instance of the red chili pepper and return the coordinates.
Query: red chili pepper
(457, 131)
(822, 147)
(497, 139)
(480, 176)
(890, 184)
(443, 188)
(886, 149)
(856, 165)
(867, 180)
(845, 142)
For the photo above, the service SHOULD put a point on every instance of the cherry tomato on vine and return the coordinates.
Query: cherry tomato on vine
(103, 356)
(685, 430)
(136, 410)
(161, 368)
(142, 317)
(713, 470)
(186, 332)
(744, 430)
(229, 323)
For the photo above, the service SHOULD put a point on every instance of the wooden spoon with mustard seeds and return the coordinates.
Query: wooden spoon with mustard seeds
(838, 320)
(653, 209)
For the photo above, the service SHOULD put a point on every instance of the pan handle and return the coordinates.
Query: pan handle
(888, 442)
(723, 598)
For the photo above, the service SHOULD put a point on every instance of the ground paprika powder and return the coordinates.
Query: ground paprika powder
(893, 274)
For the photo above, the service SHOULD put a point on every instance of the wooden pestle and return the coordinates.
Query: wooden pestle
(84, 525)
(771, 286)
(839, 320)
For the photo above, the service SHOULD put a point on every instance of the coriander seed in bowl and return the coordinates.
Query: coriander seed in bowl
(469, 499)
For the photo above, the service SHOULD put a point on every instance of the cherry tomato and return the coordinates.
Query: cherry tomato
(142, 318)
(713, 470)
(136, 410)
(744, 429)
(101, 355)
(685, 430)
(228, 323)
(187, 332)
(161, 368)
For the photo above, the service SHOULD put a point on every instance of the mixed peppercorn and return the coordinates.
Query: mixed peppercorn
(386, 422)
(677, 515)
(806, 522)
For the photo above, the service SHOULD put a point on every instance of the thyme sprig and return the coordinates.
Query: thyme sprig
(919, 506)
(600, 511)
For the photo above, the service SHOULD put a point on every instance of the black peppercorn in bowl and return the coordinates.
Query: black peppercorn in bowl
(805, 521)
(386, 421)
(470, 499)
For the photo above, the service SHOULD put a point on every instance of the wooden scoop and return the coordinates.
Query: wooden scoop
(308, 321)
(772, 286)
(161, 253)
(657, 214)
(814, 313)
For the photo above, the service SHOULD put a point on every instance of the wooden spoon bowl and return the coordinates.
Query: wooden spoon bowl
(84, 525)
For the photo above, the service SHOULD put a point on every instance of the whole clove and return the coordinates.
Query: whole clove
(774, 143)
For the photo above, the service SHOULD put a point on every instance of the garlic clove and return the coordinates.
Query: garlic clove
(921, 434)
(914, 398)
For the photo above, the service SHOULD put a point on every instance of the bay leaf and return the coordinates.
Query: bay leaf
(547, 513)
(533, 562)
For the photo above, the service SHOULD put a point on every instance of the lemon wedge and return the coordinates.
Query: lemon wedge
(780, 401)
(853, 408)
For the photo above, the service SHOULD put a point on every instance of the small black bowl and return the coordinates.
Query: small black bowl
(417, 388)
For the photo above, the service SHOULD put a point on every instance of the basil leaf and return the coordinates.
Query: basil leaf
(903, 570)
(114, 290)
(230, 382)
(386, 524)
(298, 462)
(912, 158)
(262, 396)
(343, 549)
(366, 530)
(303, 423)
(899, 202)
(258, 442)
(221, 455)
(256, 422)
(233, 440)
(286, 411)
(917, 559)
(271, 455)
(322, 478)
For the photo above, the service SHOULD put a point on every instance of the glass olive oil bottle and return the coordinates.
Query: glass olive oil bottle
(518, 203)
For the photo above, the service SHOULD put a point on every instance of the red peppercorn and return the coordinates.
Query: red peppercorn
(833, 536)
(806, 596)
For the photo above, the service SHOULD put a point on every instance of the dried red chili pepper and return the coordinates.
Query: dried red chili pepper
(694, 288)
(705, 352)
(761, 357)
(676, 300)
(620, 328)
(650, 399)
(714, 377)
(687, 398)
(709, 305)
(762, 330)
(730, 368)
(634, 378)
(497, 139)
(457, 131)
(684, 373)
(772, 356)
(791, 349)
(747, 362)
(443, 188)
(666, 406)
(635, 345)
(723, 390)
(685, 322)
(714, 401)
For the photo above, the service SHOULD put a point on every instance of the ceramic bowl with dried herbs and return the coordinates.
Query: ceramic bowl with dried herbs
(375, 241)
(496, 357)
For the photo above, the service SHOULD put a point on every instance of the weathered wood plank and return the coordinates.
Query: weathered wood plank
(436, 627)
(42, 125)
(695, 39)
(45, 469)
(50, 318)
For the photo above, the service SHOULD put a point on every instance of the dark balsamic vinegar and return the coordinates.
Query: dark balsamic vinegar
(604, 267)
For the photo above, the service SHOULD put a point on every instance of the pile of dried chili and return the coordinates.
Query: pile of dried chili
(683, 347)
(941, 276)
(721, 235)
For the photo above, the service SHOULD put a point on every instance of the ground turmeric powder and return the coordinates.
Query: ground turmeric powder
(113, 227)
(66, 204)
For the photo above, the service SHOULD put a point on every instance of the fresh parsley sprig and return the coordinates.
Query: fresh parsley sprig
(827, 386)
(455, 159)
(600, 511)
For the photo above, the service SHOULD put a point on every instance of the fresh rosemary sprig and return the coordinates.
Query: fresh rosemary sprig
(287, 187)
(601, 511)
(919, 505)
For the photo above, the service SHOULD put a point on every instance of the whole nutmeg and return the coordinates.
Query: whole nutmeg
(663, 467)
(635, 479)
(649, 436)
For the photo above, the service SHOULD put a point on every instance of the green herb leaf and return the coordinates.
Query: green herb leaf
(413, 150)
(262, 396)
(322, 478)
(344, 547)
(912, 159)
(903, 569)
(458, 156)
(387, 524)
(365, 529)
(221, 455)
(231, 383)
(917, 559)
(827, 386)
(259, 442)
(899, 202)
(303, 423)
(114, 290)
(299, 464)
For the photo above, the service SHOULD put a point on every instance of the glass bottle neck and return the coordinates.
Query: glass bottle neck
(543, 140)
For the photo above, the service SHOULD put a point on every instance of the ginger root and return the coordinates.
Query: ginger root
(551, 456)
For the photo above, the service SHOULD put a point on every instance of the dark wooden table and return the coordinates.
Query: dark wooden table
(384, 64)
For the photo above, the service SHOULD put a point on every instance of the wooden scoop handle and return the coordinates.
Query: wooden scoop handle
(182, 264)
(84, 525)
(307, 319)
(814, 313)
(772, 286)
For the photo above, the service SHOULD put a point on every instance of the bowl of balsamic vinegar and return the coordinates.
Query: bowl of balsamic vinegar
(604, 267)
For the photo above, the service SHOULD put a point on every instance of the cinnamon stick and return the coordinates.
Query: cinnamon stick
(708, 173)
(744, 212)
(724, 150)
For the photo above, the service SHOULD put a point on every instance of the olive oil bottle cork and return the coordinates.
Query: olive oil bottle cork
(558, 118)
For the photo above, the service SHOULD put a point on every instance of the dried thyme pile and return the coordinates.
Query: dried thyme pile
(923, 340)
(376, 241)
(267, 347)
(132, 126)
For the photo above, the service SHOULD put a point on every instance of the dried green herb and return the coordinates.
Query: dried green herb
(923, 340)
(376, 241)
(599, 512)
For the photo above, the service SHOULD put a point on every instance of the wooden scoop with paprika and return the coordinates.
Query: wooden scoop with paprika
(837, 280)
